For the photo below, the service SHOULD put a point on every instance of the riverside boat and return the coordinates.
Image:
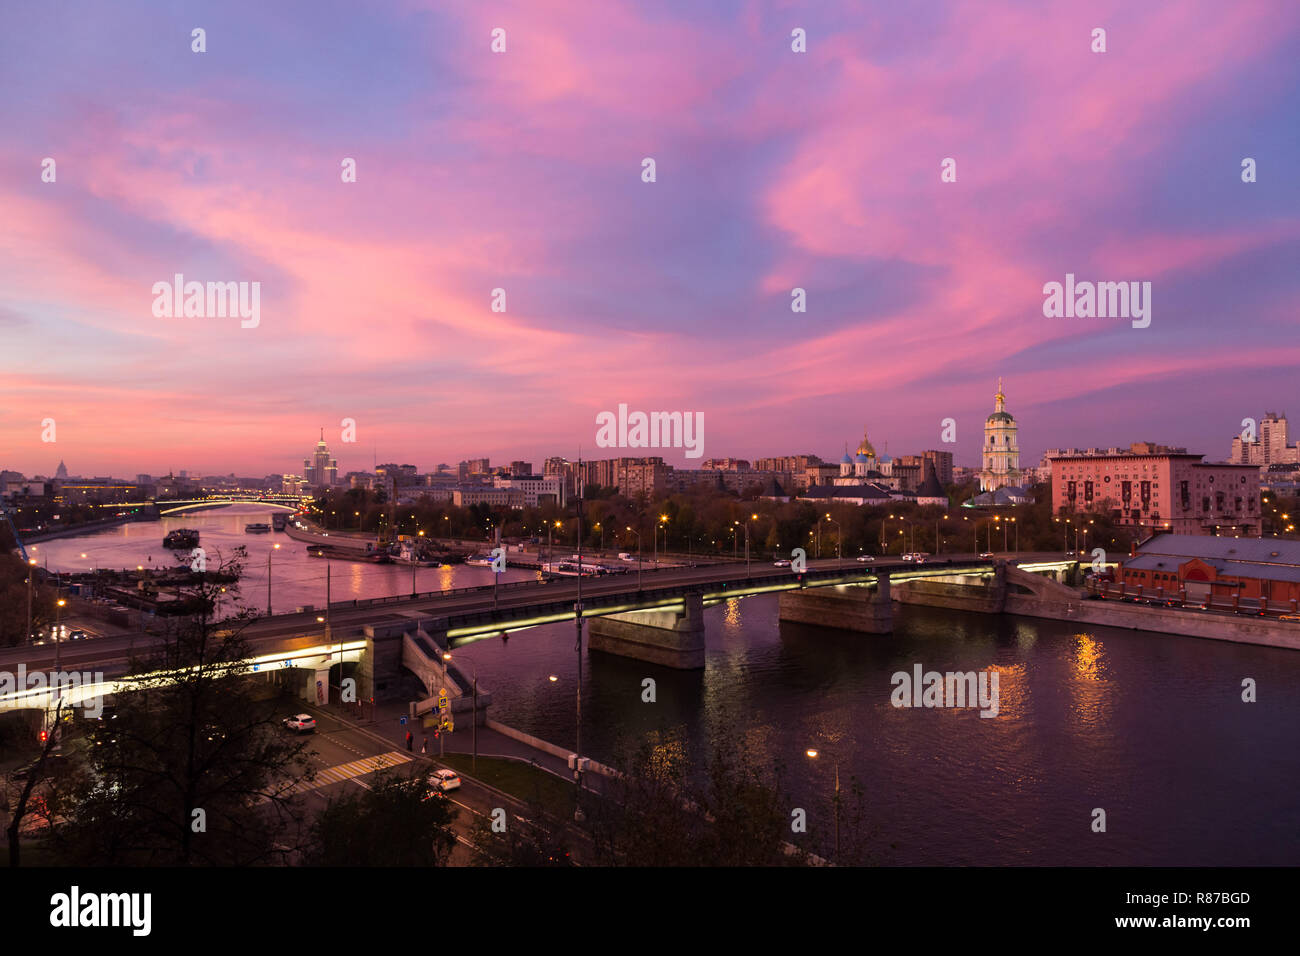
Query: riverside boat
(182, 538)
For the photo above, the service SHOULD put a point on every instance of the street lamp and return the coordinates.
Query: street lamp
(839, 538)
(813, 754)
(550, 547)
(473, 669)
(58, 632)
(415, 560)
(31, 573)
(663, 523)
(638, 558)
(274, 548)
(737, 524)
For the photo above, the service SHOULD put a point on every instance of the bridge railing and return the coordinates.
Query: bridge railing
(756, 575)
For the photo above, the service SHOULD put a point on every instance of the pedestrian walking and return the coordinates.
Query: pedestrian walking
(409, 741)
(424, 745)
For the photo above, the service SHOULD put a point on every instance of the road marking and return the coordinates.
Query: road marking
(356, 768)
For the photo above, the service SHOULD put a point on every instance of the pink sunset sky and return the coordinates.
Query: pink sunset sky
(522, 171)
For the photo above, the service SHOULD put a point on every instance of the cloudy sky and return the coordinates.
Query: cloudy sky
(522, 170)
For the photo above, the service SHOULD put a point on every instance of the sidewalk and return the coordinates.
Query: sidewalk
(387, 724)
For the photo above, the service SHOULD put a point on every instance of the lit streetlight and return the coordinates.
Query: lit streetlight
(839, 537)
(638, 558)
(274, 548)
(813, 755)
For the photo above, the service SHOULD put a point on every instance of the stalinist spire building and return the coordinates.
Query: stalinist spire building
(321, 470)
(1001, 452)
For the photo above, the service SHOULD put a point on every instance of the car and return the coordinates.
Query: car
(986, 554)
(302, 723)
(909, 557)
(444, 780)
(78, 635)
(1289, 617)
(865, 557)
(783, 563)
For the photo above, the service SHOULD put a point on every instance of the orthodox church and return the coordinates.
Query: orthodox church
(864, 466)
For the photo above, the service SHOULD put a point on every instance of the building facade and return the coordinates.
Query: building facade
(536, 489)
(1218, 569)
(1001, 459)
(1155, 488)
(320, 470)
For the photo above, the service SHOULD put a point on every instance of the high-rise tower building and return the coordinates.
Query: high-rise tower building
(320, 470)
(1001, 452)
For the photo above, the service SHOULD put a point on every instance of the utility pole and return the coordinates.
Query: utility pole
(31, 572)
(577, 620)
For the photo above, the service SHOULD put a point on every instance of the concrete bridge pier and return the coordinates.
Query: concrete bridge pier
(671, 638)
(849, 607)
(316, 686)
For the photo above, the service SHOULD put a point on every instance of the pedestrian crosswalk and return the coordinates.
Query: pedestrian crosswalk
(356, 768)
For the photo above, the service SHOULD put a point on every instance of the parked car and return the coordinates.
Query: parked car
(302, 723)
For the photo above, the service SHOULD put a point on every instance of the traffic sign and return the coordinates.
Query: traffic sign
(403, 720)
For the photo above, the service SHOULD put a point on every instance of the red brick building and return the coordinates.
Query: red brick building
(1217, 569)
(1159, 489)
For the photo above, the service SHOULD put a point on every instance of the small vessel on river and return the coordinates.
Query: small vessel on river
(182, 538)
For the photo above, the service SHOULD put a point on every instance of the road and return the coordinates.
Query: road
(344, 755)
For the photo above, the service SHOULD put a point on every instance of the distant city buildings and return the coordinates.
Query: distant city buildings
(1271, 446)
(535, 489)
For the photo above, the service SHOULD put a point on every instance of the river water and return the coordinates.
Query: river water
(1150, 728)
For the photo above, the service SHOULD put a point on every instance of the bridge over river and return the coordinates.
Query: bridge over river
(656, 617)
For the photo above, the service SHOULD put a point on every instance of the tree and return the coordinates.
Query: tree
(539, 839)
(672, 808)
(195, 767)
(37, 774)
(13, 601)
(399, 821)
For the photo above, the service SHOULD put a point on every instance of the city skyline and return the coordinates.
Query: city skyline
(671, 456)
(522, 171)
